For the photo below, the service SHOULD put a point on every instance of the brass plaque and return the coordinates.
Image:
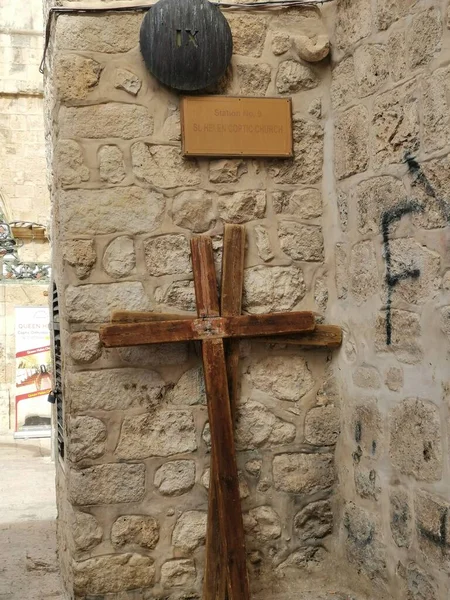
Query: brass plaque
(228, 126)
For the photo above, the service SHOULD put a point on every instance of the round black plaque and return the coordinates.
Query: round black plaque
(186, 44)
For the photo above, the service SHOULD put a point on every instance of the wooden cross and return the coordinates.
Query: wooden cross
(219, 330)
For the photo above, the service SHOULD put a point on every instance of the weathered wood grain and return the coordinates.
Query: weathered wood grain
(206, 296)
(135, 316)
(323, 336)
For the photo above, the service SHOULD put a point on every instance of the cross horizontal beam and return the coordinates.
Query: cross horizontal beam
(135, 334)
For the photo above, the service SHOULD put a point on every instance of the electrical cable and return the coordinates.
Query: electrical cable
(56, 11)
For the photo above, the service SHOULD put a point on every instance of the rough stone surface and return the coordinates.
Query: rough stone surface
(400, 517)
(179, 294)
(85, 346)
(71, 169)
(167, 255)
(283, 377)
(371, 68)
(257, 426)
(253, 467)
(81, 255)
(352, 133)
(249, 33)
(87, 438)
(363, 271)
(110, 120)
(343, 85)
(111, 165)
(281, 43)
(94, 303)
(86, 531)
(114, 389)
(76, 76)
(303, 473)
(301, 242)
(262, 241)
(405, 328)
(304, 204)
(119, 258)
(163, 433)
(396, 50)
(292, 76)
(374, 197)
(315, 521)
(366, 378)
(367, 483)
(270, 289)
(436, 121)
(190, 530)
(163, 166)
(189, 389)
(127, 81)
(178, 573)
(114, 573)
(354, 22)
(424, 37)
(254, 79)
(432, 520)
(175, 478)
(107, 484)
(242, 206)
(322, 425)
(124, 210)
(394, 379)
(367, 429)
(227, 170)
(263, 523)
(416, 447)
(155, 355)
(194, 211)
(136, 530)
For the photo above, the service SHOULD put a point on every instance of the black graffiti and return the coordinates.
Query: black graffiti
(416, 171)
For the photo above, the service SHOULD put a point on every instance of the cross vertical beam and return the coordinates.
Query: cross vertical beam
(224, 483)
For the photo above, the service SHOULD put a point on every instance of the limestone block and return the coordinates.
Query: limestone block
(293, 76)
(371, 68)
(407, 254)
(301, 242)
(254, 79)
(244, 492)
(394, 379)
(269, 289)
(87, 438)
(70, 168)
(262, 242)
(178, 573)
(85, 346)
(194, 210)
(395, 123)
(125, 210)
(306, 166)
(435, 110)
(155, 355)
(321, 294)
(86, 531)
(163, 166)
(167, 255)
(343, 84)
(309, 559)
(114, 32)
(368, 429)
(107, 484)
(172, 128)
(189, 389)
(304, 204)
(119, 258)
(354, 22)
(112, 119)
(445, 320)
(405, 334)
(423, 37)
(75, 76)
(374, 197)
(179, 294)
(81, 255)
(418, 584)
(314, 47)
(249, 33)
(396, 49)
(190, 530)
(315, 521)
(253, 467)
(363, 545)
(400, 517)
(389, 11)
(351, 139)
(363, 272)
(432, 521)
(303, 473)
(127, 81)
(446, 281)
(138, 530)
(366, 378)
(431, 189)
(111, 165)
(175, 478)
(226, 170)
(257, 426)
(163, 433)
(415, 445)
(113, 573)
(322, 425)
(281, 42)
(367, 484)
(94, 303)
(283, 377)
(242, 206)
(262, 523)
(114, 389)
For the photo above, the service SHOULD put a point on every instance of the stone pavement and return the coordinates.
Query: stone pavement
(28, 564)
